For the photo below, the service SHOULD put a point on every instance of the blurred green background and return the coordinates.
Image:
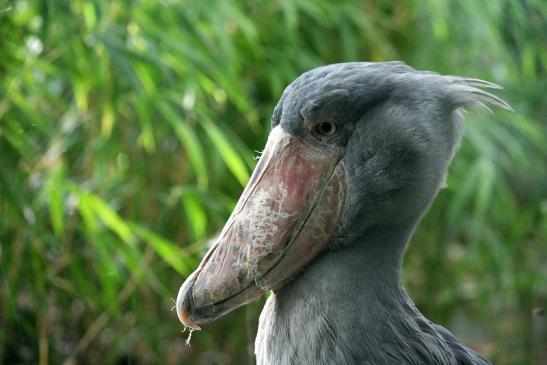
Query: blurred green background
(128, 129)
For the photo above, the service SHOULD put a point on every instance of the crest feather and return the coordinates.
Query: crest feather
(467, 92)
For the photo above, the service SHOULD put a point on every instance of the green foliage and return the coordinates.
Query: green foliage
(128, 128)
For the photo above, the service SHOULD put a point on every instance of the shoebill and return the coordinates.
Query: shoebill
(356, 154)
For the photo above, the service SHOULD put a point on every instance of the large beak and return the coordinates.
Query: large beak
(285, 217)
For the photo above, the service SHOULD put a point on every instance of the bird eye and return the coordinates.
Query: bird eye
(326, 129)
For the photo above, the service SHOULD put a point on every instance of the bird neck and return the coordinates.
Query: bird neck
(345, 307)
(366, 273)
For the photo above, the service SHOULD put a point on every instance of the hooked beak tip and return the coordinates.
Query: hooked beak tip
(183, 311)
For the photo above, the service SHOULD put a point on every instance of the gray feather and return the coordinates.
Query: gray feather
(401, 128)
(466, 92)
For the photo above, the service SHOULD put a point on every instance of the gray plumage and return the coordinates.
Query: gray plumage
(400, 130)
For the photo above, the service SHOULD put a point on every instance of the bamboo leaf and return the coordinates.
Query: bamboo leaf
(56, 199)
(229, 155)
(167, 250)
(189, 141)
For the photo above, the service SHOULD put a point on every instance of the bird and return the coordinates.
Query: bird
(356, 154)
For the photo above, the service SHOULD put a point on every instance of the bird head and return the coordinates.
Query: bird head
(353, 146)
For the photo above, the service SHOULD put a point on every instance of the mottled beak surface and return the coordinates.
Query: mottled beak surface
(285, 217)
